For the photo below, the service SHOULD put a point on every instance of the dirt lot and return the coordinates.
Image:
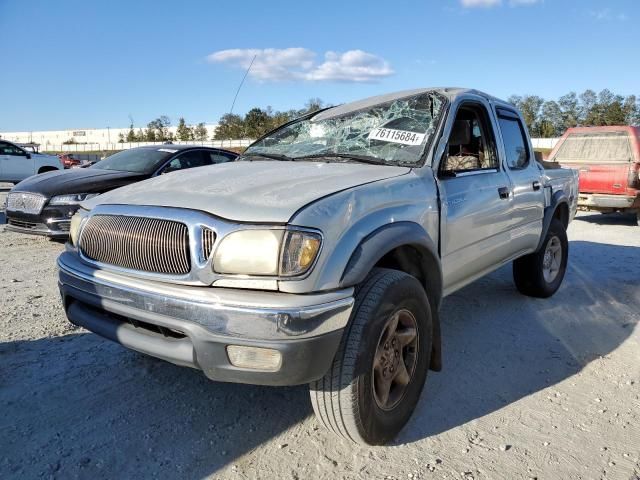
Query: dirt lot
(530, 389)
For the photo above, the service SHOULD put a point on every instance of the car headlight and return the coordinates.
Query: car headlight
(74, 228)
(71, 199)
(267, 252)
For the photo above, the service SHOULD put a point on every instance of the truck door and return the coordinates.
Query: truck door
(16, 163)
(475, 200)
(526, 192)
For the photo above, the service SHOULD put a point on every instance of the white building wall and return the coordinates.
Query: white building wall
(544, 142)
(98, 138)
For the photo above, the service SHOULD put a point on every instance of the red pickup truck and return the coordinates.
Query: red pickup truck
(608, 159)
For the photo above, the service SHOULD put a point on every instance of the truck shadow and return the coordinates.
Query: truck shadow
(608, 218)
(87, 408)
(500, 346)
(80, 406)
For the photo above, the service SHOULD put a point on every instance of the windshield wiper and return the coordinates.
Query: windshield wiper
(347, 156)
(272, 156)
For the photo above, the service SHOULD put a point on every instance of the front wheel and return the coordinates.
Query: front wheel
(377, 375)
(541, 273)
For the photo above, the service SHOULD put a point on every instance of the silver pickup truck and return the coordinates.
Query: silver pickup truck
(323, 254)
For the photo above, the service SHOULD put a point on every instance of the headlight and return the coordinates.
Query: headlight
(71, 199)
(74, 228)
(249, 252)
(267, 252)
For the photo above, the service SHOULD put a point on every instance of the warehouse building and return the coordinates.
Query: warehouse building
(98, 138)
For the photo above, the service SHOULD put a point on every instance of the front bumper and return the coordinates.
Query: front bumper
(192, 326)
(52, 221)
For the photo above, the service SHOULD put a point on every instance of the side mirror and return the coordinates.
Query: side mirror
(28, 156)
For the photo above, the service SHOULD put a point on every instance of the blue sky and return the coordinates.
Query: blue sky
(83, 64)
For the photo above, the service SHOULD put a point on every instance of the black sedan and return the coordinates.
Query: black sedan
(44, 204)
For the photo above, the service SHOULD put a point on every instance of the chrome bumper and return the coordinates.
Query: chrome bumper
(306, 329)
(34, 228)
(596, 201)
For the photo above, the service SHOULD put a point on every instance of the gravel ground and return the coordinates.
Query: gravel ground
(530, 388)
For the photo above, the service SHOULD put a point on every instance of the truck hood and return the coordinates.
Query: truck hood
(258, 192)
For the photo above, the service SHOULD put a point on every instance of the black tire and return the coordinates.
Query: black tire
(528, 271)
(343, 400)
(638, 218)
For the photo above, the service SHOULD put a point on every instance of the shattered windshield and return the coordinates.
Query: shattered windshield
(393, 132)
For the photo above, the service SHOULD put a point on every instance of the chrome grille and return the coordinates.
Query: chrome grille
(137, 243)
(25, 202)
(208, 238)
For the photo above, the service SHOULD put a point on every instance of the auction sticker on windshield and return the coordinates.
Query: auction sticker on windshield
(396, 136)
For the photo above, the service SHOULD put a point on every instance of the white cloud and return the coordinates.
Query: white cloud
(496, 3)
(606, 15)
(272, 64)
(480, 3)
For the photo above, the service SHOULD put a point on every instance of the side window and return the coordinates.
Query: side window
(515, 141)
(471, 145)
(219, 157)
(190, 159)
(8, 149)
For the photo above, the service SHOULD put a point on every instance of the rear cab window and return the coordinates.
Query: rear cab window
(595, 147)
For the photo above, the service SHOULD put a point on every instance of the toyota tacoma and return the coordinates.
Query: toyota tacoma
(323, 254)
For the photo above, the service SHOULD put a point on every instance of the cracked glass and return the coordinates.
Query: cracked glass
(394, 132)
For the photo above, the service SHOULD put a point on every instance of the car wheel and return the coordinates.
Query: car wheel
(540, 274)
(377, 375)
(638, 218)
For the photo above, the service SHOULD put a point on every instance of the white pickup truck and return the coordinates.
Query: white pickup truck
(17, 163)
(323, 254)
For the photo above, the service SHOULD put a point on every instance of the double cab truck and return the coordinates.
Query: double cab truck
(608, 159)
(323, 254)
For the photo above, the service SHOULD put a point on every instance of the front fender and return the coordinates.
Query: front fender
(382, 241)
(348, 217)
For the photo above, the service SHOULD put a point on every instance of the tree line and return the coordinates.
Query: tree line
(544, 118)
(257, 121)
(158, 131)
(550, 118)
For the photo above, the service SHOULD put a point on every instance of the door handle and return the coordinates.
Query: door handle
(536, 185)
(503, 192)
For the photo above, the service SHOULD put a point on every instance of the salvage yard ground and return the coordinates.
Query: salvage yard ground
(530, 388)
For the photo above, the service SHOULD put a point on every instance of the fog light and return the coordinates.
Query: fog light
(255, 358)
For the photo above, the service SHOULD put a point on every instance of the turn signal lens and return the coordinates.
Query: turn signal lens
(299, 253)
(254, 358)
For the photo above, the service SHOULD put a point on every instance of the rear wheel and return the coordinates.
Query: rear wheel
(378, 373)
(541, 273)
